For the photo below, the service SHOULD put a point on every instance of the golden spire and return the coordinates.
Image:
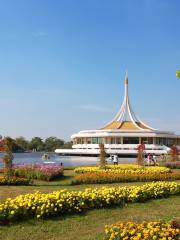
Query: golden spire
(126, 118)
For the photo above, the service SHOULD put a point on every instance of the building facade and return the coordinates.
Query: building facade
(122, 135)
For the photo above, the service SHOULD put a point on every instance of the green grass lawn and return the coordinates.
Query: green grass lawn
(86, 226)
(90, 225)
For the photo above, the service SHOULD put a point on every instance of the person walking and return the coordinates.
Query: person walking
(115, 160)
(148, 159)
(154, 158)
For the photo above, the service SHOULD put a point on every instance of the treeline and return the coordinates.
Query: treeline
(21, 144)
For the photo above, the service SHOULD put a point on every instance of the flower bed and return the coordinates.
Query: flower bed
(41, 205)
(123, 168)
(113, 177)
(173, 165)
(47, 172)
(142, 231)
(14, 181)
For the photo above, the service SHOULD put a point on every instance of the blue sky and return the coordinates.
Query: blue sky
(62, 64)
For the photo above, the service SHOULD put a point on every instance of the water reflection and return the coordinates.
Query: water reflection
(66, 160)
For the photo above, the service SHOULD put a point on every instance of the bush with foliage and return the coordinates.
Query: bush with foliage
(102, 155)
(140, 154)
(8, 156)
(174, 153)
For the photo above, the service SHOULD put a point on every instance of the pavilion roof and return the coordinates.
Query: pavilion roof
(126, 119)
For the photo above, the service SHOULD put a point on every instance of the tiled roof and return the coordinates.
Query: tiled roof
(126, 125)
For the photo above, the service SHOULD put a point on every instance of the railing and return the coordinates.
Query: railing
(120, 146)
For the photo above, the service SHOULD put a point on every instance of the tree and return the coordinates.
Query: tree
(140, 154)
(102, 155)
(52, 143)
(8, 156)
(174, 154)
(178, 73)
(36, 144)
(22, 143)
(68, 145)
(2, 144)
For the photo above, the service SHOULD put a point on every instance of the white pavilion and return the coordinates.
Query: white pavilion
(122, 135)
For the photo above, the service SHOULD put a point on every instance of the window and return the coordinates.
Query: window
(147, 140)
(112, 140)
(170, 142)
(100, 140)
(88, 140)
(164, 141)
(94, 140)
(118, 140)
(105, 141)
(130, 140)
(78, 141)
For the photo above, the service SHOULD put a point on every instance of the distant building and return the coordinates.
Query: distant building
(122, 135)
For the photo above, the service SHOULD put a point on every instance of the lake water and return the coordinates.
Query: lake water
(66, 160)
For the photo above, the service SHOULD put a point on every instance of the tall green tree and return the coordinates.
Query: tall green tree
(36, 144)
(22, 143)
(52, 143)
(68, 145)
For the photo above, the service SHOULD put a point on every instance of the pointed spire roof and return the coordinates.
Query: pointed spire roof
(126, 119)
(126, 78)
